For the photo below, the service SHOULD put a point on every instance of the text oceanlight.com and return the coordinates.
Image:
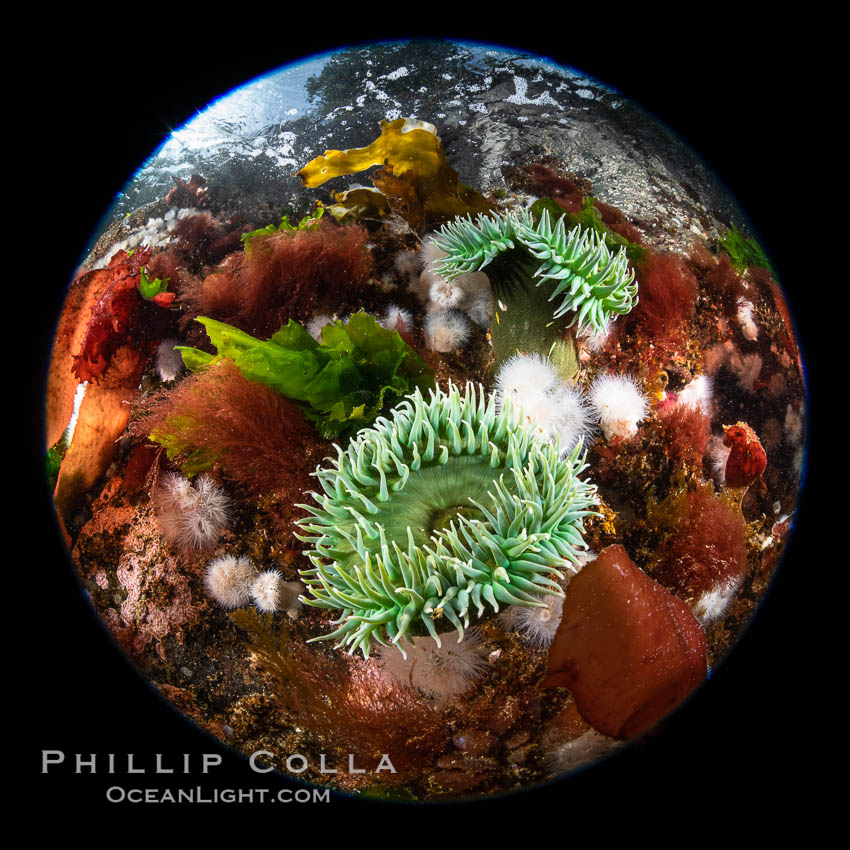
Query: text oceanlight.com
(117, 794)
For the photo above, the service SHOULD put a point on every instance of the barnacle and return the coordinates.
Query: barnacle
(426, 518)
(591, 281)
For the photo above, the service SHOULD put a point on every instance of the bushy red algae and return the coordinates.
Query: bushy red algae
(708, 546)
(718, 277)
(285, 275)
(628, 650)
(250, 430)
(191, 193)
(615, 220)
(685, 431)
(566, 192)
(347, 704)
(668, 291)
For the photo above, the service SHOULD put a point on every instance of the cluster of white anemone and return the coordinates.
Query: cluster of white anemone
(556, 409)
(192, 517)
(155, 233)
(450, 306)
(234, 582)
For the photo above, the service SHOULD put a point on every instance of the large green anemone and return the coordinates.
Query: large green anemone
(428, 518)
(590, 281)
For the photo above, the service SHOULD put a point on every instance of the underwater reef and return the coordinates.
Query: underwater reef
(483, 480)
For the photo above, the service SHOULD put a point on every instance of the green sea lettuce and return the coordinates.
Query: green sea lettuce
(358, 371)
(151, 288)
(744, 251)
(308, 222)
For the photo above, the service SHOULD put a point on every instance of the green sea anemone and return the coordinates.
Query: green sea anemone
(592, 282)
(586, 279)
(426, 518)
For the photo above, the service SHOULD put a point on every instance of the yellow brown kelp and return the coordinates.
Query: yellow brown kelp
(415, 177)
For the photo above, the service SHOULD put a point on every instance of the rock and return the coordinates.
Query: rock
(474, 741)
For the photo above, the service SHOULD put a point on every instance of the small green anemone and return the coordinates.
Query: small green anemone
(427, 518)
(590, 281)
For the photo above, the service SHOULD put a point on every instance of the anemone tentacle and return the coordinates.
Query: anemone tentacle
(590, 281)
(448, 509)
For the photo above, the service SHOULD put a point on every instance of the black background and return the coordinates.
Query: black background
(103, 96)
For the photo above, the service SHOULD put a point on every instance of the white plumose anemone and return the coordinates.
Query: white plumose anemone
(266, 591)
(595, 340)
(749, 328)
(537, 625)
(718, 453)
(446, 330)
(619, 405)
(445, 294)
(587, 748)
(697, 394)
(397, 318)
(442, 672)
(229, 580)
(574, 420)
(526, 375)
(713, 604)
(315, 325)
(192, 517)
(169, 362)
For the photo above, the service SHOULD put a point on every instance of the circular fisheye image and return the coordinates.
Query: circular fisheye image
(427, 418)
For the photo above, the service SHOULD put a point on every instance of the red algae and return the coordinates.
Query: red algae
(120, 316)
(285, 275)
(628, 650)
(668, 291)
(565, 192)
(252, 431)
(718, 276)
(616, 221)
(191, 193)
(686, 431)
(347, 704)
(708, 549)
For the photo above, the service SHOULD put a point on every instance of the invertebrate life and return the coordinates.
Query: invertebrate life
(431, 516)
(211, 352)
(591, 282)
(441, 672)
(192, 517)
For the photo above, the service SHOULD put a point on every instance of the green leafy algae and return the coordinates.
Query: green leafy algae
(151, 288)
(744, 251)
(358, 371)
(308, 222)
